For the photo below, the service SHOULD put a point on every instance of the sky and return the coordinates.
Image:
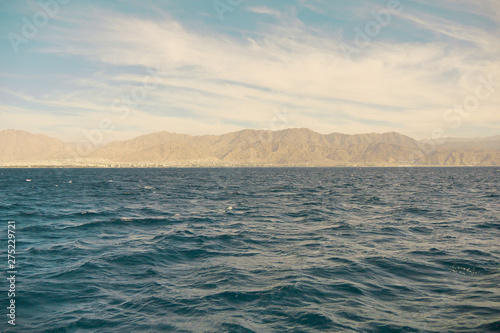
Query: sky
(112, 70)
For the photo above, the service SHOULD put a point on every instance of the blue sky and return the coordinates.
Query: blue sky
(126, 68)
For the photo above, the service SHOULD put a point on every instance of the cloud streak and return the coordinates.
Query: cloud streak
(218, 82)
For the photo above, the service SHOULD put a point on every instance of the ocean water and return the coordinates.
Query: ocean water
(253, 250)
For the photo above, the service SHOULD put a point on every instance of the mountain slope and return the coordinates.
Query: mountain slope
(16, 145)
(289, 147)
(286, 147)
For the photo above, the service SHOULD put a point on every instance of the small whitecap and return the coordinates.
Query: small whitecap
(230, 208)
(70, 182)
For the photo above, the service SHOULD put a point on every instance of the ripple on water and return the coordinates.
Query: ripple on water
(301, 250)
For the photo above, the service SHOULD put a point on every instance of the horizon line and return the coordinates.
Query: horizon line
(250, 129)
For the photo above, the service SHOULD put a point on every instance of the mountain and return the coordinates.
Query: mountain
(463, 151)
(492, 142)
(461, 140)
(289, 147)
(286, 147)
(16, 145)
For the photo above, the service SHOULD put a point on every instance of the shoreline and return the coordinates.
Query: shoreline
(241, 166)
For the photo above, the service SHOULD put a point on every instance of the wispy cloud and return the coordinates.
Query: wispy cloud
(314, 5)
(485, 9)
(214, 82)
(462, 32)
(265, 10)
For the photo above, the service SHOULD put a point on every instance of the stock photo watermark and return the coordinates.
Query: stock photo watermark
(121, 107)
(469, 105)
(31, 26)
(364, 37)
(455, 116)
(11, 272)
(280, 120)
(223, 6)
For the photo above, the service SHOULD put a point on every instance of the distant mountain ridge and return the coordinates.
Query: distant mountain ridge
(289, 147)
(16, 145)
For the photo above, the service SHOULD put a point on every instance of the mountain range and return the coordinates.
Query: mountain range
(289, 147)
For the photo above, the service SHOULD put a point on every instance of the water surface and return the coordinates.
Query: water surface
(255, 250)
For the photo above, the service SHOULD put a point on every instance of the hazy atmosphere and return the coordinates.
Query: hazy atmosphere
(421, 68)
(250, 166)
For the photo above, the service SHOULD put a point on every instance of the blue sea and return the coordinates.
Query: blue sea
(253, 249)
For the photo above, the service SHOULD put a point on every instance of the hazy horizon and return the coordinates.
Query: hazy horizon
(418, 68)
(251, 129)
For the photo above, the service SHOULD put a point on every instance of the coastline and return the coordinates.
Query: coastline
(239, 166)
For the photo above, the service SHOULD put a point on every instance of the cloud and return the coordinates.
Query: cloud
(488, 10)
(467, 33)
(213, 82)
(265, 10)
(313, 5)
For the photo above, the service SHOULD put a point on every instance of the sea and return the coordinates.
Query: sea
(251, 249)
